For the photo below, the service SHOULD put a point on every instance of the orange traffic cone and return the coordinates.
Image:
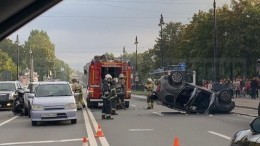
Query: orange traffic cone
(85, 141)
(176, 142)
(99, 132)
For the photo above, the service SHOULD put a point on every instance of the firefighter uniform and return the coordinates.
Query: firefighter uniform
(106, 95)
(149, 86)
(113, 97)
(120, 89)
(77, 88)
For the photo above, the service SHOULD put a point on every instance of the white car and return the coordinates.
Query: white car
(53, 101)
(27, 101)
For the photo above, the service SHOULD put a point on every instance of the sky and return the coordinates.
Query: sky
(81, 29)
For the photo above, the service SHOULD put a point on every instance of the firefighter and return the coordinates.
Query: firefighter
(120, 89)
(113, 97)
(106, 94)
(77, 88)
(149, 86)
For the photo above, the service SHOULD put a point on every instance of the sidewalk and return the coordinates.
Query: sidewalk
(246, 106)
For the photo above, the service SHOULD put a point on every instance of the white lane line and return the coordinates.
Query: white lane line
(103, 140)
(132, 105)
(7, 121)
(40, 142)
(158, 113)
(140, 130)
(220, 135)
(91, 137)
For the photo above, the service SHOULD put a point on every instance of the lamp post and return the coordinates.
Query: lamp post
(30, 52)
(161, 24)
(17, 68)
(136, 73)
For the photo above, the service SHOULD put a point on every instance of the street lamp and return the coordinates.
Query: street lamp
(136, 74)
(30, 52)
(17, 68)
(161, 24)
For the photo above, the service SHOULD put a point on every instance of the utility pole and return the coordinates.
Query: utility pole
(136, 73)
(215, 68)
(17, 68)
(161, 48)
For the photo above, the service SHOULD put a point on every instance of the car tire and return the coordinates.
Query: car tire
(127, 104)
(225, 97)
(25, 109)
(176, 77)
(34, 123)
(259, 109)
(74, 121)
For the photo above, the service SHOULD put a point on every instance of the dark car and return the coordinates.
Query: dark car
(175, 92)
(249, 137)
(8, 92)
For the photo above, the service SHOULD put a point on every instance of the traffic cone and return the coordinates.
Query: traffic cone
(99, 132)
(85, 141)
(176, 142)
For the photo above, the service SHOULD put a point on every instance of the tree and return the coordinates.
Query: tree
(6, 64)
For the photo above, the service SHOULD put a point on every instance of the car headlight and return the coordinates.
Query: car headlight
(71, 106)
(36, 107)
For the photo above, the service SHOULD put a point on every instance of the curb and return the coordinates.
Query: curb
(246, 107)
(244, 114)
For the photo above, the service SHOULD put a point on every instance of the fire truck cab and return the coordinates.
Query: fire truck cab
(96, 71)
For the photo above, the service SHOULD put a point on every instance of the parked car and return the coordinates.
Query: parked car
(53, 101)
(27, 101)
(8, 92)
(248, 137)
(175, 92)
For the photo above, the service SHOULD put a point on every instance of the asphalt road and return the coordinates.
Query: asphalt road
(135, 126)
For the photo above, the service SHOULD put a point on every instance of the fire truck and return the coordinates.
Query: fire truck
(96, 71)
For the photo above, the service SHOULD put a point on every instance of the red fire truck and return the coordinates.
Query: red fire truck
(96, 71)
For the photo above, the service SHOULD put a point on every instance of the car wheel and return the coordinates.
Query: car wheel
(34, 123)
(176, 77)
(74, 121)
(225, 96)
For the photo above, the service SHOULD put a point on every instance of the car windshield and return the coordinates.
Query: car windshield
(50, 90)
(7, 87)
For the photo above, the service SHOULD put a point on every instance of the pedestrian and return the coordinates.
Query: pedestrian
(77, 88)
(237, 85)
(106, 94)
(149, 86)
(113, 97)
(254, 85)
(121, 92)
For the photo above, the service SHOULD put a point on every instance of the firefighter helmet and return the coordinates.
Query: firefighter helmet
(121, 76)
(108, 76)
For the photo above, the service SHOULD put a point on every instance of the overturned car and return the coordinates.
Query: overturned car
(175, 92)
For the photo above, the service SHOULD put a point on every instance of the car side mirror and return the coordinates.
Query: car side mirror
(31, 96)
(255, 125)
(27, 90)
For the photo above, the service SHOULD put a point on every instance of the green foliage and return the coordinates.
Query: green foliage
(7, 64)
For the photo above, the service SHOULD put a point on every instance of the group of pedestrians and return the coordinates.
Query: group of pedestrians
(240, 87)
(113, 92)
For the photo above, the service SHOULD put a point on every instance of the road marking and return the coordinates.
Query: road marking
(7, 121)
(158, 113)
(140, 130)
(91, 137)
(103, 140)
(132, 105)
(40, 142)
(220, 135)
